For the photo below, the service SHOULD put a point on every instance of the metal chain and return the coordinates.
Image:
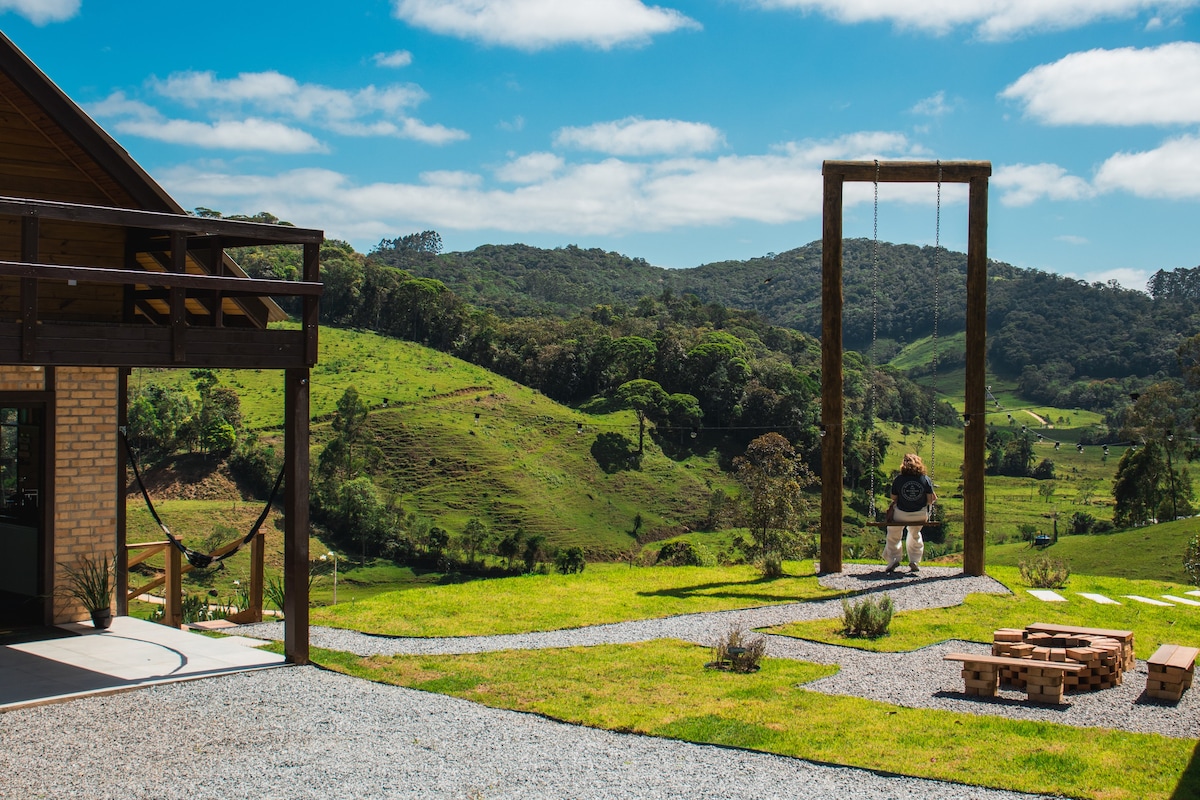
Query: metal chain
(937, 246)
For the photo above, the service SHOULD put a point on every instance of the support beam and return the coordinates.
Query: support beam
(975, 433)
(831, 376)
(295, 510)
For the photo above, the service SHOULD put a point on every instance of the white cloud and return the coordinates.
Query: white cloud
(1127, 277)
(40, 12)
(552, 196)
(277, 93)
(139, 119)
(933, 106)
(634, 136)
(992, 19)
(1069, 238)
(1171, 170)
(396, 59)
(540, 24)
(530, 168)
(1153, 86)
(370, 111)
(242, 134)
(1025, 184)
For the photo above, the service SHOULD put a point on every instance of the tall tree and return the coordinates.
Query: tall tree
(772, 499)
(646, 398)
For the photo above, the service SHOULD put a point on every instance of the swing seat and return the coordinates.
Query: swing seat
(881, 524)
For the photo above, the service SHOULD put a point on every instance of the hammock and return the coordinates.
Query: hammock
(195, 557)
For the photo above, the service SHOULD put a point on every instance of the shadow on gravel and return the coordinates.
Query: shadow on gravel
(1001, 701)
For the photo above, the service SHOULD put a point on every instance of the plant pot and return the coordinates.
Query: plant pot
(102, 618)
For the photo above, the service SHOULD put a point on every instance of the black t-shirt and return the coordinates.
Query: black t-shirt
(911, 491)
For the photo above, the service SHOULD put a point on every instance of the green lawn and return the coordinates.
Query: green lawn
(601, 594)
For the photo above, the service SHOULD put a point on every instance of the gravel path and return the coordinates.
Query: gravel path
(305, 733)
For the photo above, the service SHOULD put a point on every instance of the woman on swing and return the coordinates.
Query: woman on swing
(912, 503)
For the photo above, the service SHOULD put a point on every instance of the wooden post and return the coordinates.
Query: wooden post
(296, 521)
(257, 548)
(30, 233)
(122, 557)
(831, 376)
(975, 434)
(178, 300)
(311, 304)
(173, 591)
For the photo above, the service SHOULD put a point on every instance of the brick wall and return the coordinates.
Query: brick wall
(85, 471)
(22, 379)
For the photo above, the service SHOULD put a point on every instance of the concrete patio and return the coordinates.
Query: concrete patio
(130, 654)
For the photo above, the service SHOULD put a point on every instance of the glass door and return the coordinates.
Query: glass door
(22, 455)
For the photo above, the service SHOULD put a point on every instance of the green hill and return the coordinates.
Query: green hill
(1154, 552)
(458, 442)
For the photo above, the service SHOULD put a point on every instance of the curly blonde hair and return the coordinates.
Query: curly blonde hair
(912, 465)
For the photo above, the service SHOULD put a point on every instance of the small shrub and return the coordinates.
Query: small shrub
(195, 609)
(1191, 559)
(273, 591)
(1045, 573)
(569, 560)
(685, 554)
(868, 616)
(738, 650)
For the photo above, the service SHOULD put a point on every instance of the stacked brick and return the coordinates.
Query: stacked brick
(980, 678)
(1102, 658)
(1171, 669)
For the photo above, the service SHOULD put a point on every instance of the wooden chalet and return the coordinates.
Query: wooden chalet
(100, 272)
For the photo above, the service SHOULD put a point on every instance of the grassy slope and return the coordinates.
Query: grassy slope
(522, 462)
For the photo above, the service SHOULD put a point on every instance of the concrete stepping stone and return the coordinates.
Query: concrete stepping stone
(1149, 601)
(1099, 598)
(1048, 596)
(1187, 601)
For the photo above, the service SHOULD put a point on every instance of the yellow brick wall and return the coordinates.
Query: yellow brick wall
(85, 471)
(22, 379)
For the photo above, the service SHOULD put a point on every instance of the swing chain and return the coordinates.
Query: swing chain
(937, 304)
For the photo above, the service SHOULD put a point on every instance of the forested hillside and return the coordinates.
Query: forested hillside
(1059, 329)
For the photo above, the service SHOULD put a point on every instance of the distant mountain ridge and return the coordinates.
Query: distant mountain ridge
(1036, 320)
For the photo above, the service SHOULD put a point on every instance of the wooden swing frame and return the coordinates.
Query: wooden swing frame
(836, 174)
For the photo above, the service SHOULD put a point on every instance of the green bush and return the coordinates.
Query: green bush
(868, 616)
(1191, 559)
(1045, 573)
(738, 650)
(685, 554)
(569, 560)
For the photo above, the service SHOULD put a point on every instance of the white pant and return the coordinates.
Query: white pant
(916, 545)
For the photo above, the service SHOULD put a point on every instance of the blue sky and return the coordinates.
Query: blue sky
(683, 133)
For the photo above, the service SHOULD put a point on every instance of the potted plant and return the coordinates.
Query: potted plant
(90, 581)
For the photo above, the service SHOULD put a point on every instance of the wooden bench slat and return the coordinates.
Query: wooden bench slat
(1163, 654)
(1006, 661)
(1183, 657)
(1046, 627)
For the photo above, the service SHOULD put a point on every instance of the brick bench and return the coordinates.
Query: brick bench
(1171, 669)
(1043, 679)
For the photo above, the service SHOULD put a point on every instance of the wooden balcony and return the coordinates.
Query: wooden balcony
(100, 286)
